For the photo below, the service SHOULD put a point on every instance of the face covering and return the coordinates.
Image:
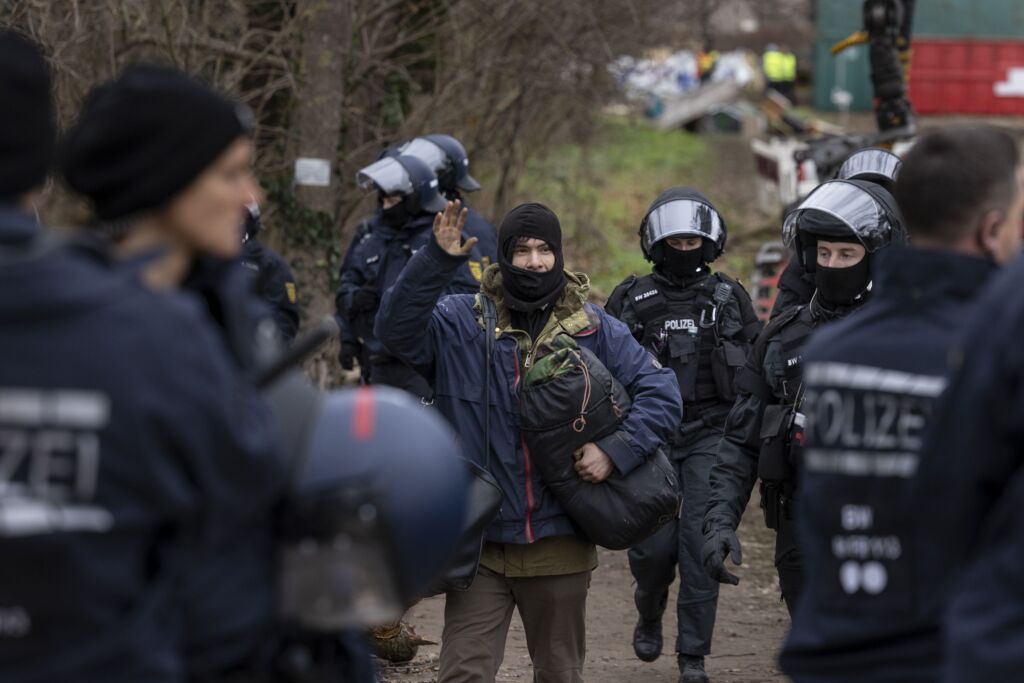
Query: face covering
(396, 216)
(682, 264)
(842, 286)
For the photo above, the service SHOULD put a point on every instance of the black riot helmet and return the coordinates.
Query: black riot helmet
(682, 212)
(447, 158)
(873, 164)
(407, 177)
(373, 513)
(843, 210)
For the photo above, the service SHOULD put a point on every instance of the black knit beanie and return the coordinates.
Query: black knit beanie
(28, 127)
(145, 136)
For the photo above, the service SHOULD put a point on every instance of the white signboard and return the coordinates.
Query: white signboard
(312, 172)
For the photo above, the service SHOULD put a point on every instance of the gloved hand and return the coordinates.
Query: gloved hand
(717, 544)
(365, 299)
(348, 354)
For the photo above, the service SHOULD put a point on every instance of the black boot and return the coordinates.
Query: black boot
(691, 669)
(647, 639)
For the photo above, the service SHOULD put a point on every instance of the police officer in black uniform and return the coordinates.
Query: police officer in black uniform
(409, 198)
(274, 281)
(835, 232)
(796, 286)
(699, 323)
(447, 158)
(872, 384)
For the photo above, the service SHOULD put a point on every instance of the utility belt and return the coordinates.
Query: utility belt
(777, 502)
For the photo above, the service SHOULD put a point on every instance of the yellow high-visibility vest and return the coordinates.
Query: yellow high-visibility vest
(789, 67)
(774, 64)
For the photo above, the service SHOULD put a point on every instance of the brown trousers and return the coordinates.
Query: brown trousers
(553, 610)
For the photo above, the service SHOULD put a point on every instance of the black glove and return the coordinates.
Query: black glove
(365, 299)
(348, 354)
(717, 544)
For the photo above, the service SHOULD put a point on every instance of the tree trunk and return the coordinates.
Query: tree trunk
(327, 34)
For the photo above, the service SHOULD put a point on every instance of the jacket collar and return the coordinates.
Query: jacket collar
(908, 274)
(568, 316)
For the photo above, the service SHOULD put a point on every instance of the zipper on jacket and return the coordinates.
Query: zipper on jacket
(526, 462)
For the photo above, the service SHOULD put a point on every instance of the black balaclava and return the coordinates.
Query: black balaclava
(28, 125)
(843, 286)
(525, 290)
(681, 265)
(395, 217)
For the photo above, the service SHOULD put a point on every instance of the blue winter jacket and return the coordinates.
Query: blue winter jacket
(444, 340)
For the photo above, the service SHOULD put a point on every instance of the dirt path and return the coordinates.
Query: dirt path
(751, 625)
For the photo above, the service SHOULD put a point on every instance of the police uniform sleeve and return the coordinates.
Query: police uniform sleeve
(219, 428)
(657, 405)
(280, 291)
(735, 470)
(409, 322)
(751, 324)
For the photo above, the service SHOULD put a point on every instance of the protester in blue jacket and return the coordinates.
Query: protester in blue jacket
(871, 382)
(532, 559)
(126, 431)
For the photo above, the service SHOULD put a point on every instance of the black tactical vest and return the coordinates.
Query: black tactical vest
(681, 329)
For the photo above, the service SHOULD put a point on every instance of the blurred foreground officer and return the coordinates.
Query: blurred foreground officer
(870, 384)
(409, 198)
(879, 166)
(123, 425)
(166, 162)
(835, 232)
(700, 325)
(968, 493)
(274, 281)
(533, 559)
(447, 158)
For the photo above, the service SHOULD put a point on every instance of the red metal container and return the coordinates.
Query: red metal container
(957, 76)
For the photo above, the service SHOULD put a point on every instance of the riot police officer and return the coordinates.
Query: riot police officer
(700, 324)
(274, 281)
(447, 158)
(409, 199)
(870, 385)
(835, 232)
(796, 286)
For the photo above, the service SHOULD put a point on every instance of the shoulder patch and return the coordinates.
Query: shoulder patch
(289, 290)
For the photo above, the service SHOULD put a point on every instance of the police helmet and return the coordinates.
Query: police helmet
(374, 513)
(843, 209)
(876, 165)
(447, 158)
(407, 177)
(682, 212)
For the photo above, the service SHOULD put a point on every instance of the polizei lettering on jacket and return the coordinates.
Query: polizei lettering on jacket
(681, 325)
(865, 430)
(50, 460)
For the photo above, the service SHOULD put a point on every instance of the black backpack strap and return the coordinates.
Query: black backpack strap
(490, 318)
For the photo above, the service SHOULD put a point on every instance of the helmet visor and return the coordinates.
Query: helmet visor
(682, 218)
(857, 212)
(389, 176)
(871, 163)
(427, 152)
